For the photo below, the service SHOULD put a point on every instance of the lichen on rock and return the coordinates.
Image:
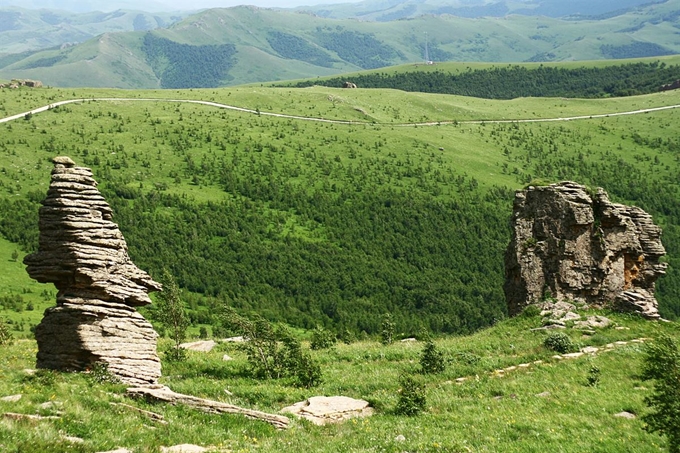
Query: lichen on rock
(82, 251)
(570, 246)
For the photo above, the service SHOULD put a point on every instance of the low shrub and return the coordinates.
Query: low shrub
(412, 399)
(559, 342)
(322, 339)
(662, 365)
(5, 334)
(432, 359)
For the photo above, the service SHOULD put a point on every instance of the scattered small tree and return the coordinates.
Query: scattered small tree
(432, 359)
(594, 376)
(346, 336)
(172, 314)
(203, 333)
(322, 339)
(5, 334)
(387, 330)
(662, 365)
(15, 256)
(412, 399)
(273, 353)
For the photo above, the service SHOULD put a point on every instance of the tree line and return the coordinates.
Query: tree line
(516, 81)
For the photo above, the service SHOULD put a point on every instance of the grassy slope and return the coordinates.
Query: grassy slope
(515, 38)
(475, 150)
(484, 414)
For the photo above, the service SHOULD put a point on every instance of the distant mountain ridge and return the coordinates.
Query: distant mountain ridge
(382, 11)
(23, 30)
(84, 6)
(240, 45)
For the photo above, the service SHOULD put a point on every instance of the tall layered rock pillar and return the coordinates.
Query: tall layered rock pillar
(82, 251)
(569, 246)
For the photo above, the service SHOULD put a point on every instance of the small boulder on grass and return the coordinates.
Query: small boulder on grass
(200, 346)
(184, 448)
(322, 410)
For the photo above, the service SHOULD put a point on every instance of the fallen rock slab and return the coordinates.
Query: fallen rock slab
(29, 417)
(625, 414)
(162, 393)
(184, 448)
(322, 410)
(11, 398)
(200, 346)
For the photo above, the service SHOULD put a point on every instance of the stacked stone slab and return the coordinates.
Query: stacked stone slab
(85, 255)
(569, 246)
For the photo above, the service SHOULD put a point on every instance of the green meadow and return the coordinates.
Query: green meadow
(545, 406)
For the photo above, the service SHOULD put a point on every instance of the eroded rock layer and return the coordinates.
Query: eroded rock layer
(567, 245)
(85, 255)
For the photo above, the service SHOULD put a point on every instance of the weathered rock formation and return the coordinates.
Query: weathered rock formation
(349, 85)
(85, 255)
(569, 246)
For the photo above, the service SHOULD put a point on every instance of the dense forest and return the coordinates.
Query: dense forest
(516, 81)
(340, 255)
(361, 49)
(175, 64)
(296, 48)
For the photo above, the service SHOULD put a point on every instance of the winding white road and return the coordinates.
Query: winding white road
(324, 120)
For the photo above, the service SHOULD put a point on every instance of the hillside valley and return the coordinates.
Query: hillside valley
(324, 209)
(239, 45)
(333, 223)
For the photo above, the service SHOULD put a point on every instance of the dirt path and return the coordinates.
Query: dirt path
(324, 120)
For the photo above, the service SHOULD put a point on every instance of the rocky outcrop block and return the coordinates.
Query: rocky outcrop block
(571, 246)
(82, 251)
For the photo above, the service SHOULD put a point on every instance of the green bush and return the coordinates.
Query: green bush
(272, 352)
(299, 365)
(412, 399)
(593, 376)
(5, 334)
(387, 330)
(100, 374)
(346, 336)
(531, 311)
(432, 359)
(322, 339)
(662, 365)
(559, 342)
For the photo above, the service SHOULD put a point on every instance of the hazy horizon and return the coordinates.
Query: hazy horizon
(159, 5)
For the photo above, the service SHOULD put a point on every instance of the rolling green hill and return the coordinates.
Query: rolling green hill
(335, 223)
(265, 45)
